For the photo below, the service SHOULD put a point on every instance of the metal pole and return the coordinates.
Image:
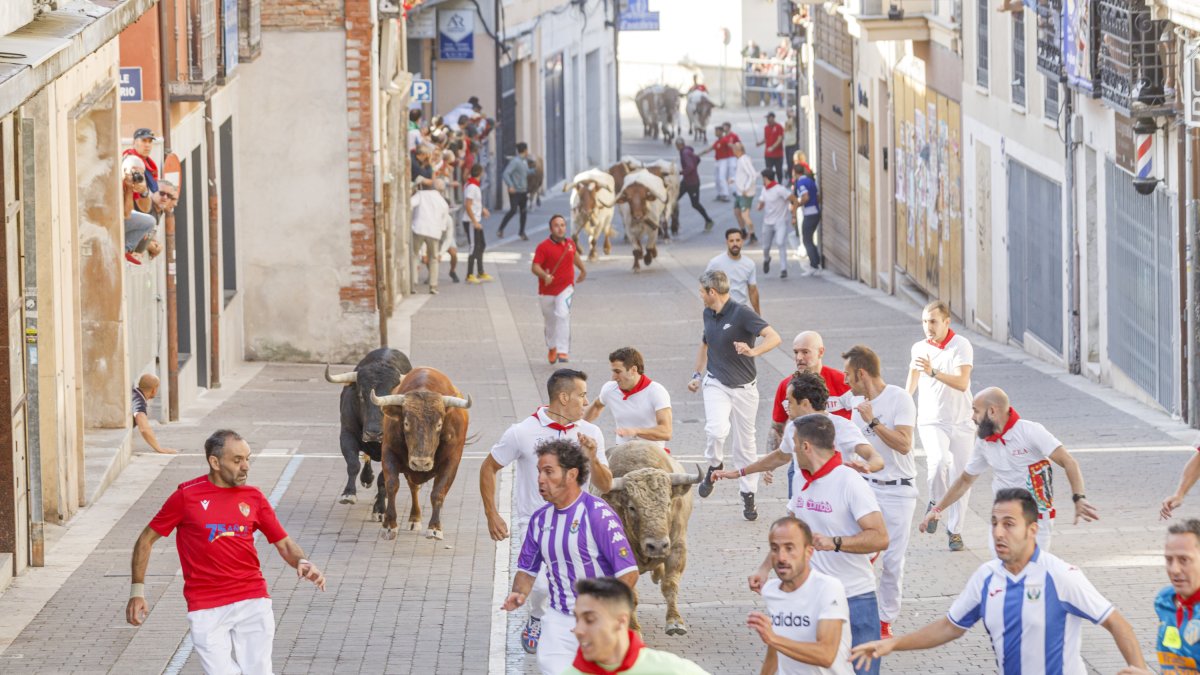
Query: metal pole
(617, 71)
(165, 66)
(1075, 337)
(1193, 280)
(216, 296)
(33, 441)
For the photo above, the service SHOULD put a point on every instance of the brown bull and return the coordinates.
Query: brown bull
(641, 203)
(424, 430)
(651, 493)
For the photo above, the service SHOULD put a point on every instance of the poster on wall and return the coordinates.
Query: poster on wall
(1079, 48)
(456, 34)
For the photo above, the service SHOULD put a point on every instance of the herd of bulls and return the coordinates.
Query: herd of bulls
(414, 421)
(658, 106)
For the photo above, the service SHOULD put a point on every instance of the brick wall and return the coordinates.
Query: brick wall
(360, 292)
(303, 15)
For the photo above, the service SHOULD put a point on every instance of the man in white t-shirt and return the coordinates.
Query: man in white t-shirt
(807, 624)
(886, 414)
(846, 522)
(640, 407)
(940, 375)
(562, 418)
(743, 280)
(1019, 453)
(776, 202)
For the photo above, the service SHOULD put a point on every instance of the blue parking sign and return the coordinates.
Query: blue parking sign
(421, 91)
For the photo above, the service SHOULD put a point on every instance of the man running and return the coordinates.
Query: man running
(689, 182)
(1019, 452)
(554, 263)
(562, 418)
(217, 515)
(739, 271)
(1178, 638)
(1031, 602)
(1191, 473)
(940, 375)
(640, 407)
(807, 624)
(886, 414)
(744, 179)
(777, 220)
(726, 371)
(575, 536)
(726, 163)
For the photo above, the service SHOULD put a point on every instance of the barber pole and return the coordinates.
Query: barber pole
(1144, 166)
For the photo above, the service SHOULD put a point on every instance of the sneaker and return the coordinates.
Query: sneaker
(454, 276)
(748, 510)
(708, 226)
(129, 257)
(552, 356)
(706, 486)
(562, 358)
(472, 279)
(484, 277)
(433, 290)
(500, 233)
(932, 526)
(766, 265)
(807, 272)
(956, 543)
(753, 239)
(523, 237)
(817, 272)
(783, 274)
(885, 630)
(530, 635)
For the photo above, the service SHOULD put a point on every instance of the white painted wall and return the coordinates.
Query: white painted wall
(14, 14)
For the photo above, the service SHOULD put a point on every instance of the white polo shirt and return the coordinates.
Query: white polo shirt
(1019, 458)
(1033, 619)
(832, 506)
(894, 407)
(938, 402)
(795, 614)
(519, 444)
(846, 437)
(637, 410)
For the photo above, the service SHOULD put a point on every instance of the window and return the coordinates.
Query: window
(1052, 100)
(981, 42)
(1018, 57)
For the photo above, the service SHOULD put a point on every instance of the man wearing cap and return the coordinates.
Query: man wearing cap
(773, 154)
(143, 142)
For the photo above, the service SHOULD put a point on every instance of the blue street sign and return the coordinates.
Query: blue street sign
(421, 91)
(131, 85)
(637, 16)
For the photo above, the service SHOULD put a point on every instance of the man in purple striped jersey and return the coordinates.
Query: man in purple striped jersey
(576, 536)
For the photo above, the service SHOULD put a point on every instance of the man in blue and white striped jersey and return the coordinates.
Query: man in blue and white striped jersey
(576, 536)
(1031, 602)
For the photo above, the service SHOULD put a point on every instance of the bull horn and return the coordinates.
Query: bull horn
(568, 186)
(390, 399)
(618, 483)
(345, 378)
(687, 478)
(456, 402)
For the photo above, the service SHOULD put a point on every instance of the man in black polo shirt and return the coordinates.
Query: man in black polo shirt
(726, 372)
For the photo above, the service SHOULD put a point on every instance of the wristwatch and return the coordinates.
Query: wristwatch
(1077, 496)
(933, 372)
(696, 375)
(874, 423)
(837, 544)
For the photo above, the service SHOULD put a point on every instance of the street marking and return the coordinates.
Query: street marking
(179, 659)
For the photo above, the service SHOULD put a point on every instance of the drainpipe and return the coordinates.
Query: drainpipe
(617, 73)
(1193, 280)
(216, 297)
(381, 291)
(37, 518)
(1075, 337)
(165, 66)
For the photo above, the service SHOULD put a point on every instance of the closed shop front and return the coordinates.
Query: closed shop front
(1035, 257)
(835, 168)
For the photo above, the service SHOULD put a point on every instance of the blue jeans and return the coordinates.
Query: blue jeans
(864, 625)
(791, 475)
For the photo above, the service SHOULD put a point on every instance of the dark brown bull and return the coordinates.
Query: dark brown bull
(641, 203)
(536, 180)
(424, 430)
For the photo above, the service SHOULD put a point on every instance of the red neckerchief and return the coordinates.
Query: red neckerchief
(635, 649)
(473, 181)
(553, 425)
(999, 436)
(810, 477)
(943, 343)
(1188, 603)
(150, 165)
(771, 184)
(642, 384)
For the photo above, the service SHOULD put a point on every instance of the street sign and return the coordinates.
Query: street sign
(131, 85)
(1191, 83)
(421, 91)
(456, 34)
(637, 16)
(230, 14)
(422, 25)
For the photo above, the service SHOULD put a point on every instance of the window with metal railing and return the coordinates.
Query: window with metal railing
(1018, 58)
(1051, 101)
(981, 42)
(249, 29)
(1137, 60)
(203, 64)
(1049, 38)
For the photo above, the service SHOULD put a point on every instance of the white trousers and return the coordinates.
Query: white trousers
(776, 235)
(725, 171)
(947, 450)
(539, 596)
(897, 502)
(234, 638)
(726, 410)
(557, 646)
(556, 312)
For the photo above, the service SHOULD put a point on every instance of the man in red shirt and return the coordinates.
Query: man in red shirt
(216, 517)
(773, 154)
(809, 350)
(554, 263)
(726, 162)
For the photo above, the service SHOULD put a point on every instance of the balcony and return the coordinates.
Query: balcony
(1081, 46)
(889, 20)
(249, 30)
(1049, 38)
(1137, 60)
(197, 75)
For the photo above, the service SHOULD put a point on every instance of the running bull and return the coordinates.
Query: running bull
(362, 423)
(424, 431)
(651, 493)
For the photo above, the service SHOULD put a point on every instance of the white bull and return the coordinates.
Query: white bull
(592, 202)
(699, 108)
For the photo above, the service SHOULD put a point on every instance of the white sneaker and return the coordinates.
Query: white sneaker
(807, 272)
(817, 272)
